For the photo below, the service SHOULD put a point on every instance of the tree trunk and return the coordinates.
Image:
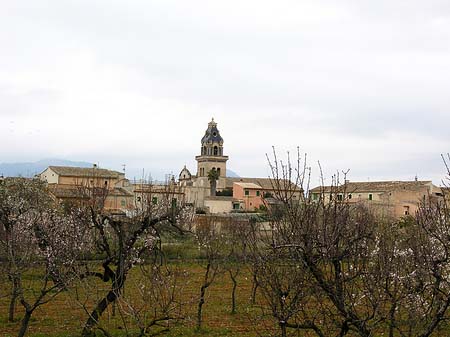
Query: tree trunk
(213, 188)
(254, 288)
(25, 323)
(200, 305)
(392, 319)
(202, 297)
(97, 312)
(233, 293)
(14, 296)
(283, 329)
(113, 314)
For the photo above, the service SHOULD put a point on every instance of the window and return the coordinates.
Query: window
(406, 210)
(122, 202)
(257, 193)
(216, 151)
(349, 196)
(246, 192)
(218, 171)
(139, 199)
(339, 197)
(370, 196)
(236, 206)
(315, 196)
(174, 202)
(154, 200)
(106, 182)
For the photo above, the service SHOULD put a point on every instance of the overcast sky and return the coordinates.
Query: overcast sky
(360, 84)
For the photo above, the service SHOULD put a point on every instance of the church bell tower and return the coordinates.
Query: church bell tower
(211, 155)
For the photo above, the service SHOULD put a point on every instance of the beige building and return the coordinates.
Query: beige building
(75, 184)
(386, 198)
(158, 194)
(220, 204)
(82, 176)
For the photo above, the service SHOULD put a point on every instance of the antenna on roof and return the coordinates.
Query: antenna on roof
(124, 167)
(416, 178)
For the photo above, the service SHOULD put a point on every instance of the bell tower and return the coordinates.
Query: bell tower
(211, 155)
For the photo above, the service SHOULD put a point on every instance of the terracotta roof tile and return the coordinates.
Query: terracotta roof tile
(265, 183)
(248, 185)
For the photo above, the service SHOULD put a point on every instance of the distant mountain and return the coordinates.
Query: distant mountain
(232, 174)
(31, 169)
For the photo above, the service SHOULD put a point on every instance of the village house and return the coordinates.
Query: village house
(155, 194)
(77, 184)
(82, 176)
(384, 198)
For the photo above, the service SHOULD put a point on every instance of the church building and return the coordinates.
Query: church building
(226, 194)
(198, 187)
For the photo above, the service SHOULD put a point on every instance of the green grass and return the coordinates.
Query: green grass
(64, 317)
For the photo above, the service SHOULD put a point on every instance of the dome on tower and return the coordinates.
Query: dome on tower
(212, 134)
(185, 174)
(211, 155)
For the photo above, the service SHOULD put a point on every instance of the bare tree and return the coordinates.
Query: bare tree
(125, 241)
(38, 238)
(235, 235)
(286, 288)
(19, 199)
(157, 304)
(370, 274)
(211, 244)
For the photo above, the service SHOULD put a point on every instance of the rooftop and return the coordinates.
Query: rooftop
(68, 191)
(374, 186)
(248, 185)
(84, 172)
(263, 183)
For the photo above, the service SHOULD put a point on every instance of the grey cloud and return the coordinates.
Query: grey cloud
(288, 69)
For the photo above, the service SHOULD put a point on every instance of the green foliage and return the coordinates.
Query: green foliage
(213, 175)
(228, 192)
(199, 210)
